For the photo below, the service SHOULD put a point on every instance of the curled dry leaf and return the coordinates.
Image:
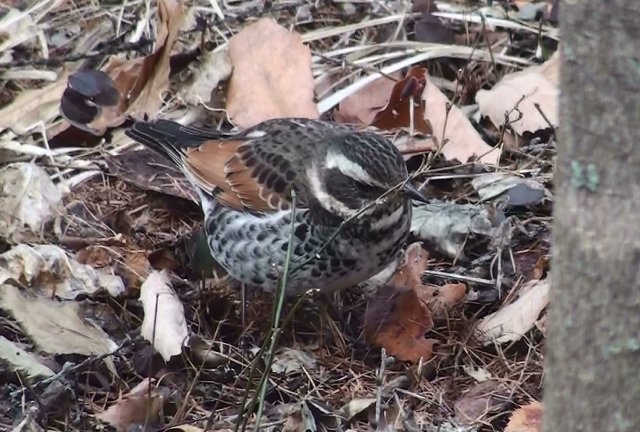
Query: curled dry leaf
(28, 199)
(271, 75)
(142, 406)
(461, 141)
(401, 312)
(53, 273)
(140, 82)
(406, 98)
(512, 321)
(529, 97)
(163, 316)
(527, 418)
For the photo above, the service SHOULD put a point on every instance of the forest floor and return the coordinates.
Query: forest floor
(102, 245)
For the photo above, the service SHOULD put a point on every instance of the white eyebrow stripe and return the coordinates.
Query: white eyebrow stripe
(348, 168)
(327, 201)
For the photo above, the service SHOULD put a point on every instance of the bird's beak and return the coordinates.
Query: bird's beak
(414, 193)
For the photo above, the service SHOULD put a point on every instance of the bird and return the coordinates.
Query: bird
(340, 194)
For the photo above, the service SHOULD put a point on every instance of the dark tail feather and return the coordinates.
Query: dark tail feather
(170, 138)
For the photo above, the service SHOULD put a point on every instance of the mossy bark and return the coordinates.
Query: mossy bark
(592, 380)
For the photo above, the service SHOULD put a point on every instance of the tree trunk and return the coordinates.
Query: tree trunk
(592, 380)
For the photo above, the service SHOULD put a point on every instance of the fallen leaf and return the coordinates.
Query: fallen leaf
(461, 141)
(361, 107)
(513, 190)
(163, 316)
(271, 75)
(140, 82)
(300, 419)
(52, 272)
(397, 113)
(513, 320)
(514, 98)
(478, 374)
(480, 400)
(56, 327)
(28, 199)
(22, 361)
(446, 226)
(401, 312)
(33, 107)
(290, 360)
(355, 407)
(142, 406)
(213, 67)
(527, 418)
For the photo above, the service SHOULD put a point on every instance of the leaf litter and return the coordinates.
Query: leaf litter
(445, 318)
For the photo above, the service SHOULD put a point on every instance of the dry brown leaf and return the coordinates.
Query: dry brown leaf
(527, 418)
(141, 406)
(56, 327)
(462, 141)
(271, 75)
(397, 112)
(361, 107)
(512, 321)
(163, 316)
(140, 82)
(33, 106)
(518, 94)
(400, 314)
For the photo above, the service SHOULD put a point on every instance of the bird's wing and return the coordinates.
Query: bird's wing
(254, 170)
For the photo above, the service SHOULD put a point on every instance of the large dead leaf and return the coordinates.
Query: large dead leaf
(28, 199)
(271, 75)
(163, 316)
(401, 312)
(453, 130)
(527, 100)
(56, 327)
(140, 408)
(527, 418)
(22, 361)
(53, 273)
(513, 320)
(32, 107)
(140, 82)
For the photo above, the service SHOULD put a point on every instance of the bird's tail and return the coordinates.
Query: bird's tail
(170, 138)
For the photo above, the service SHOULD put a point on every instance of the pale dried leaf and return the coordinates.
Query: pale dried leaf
(518, 94)
(513, 190)
(290, 360)
(480, 400)
(56, 327)
(362, 106)
(33, 106)
(16, 27)
(512, 321)
(22, 361)
(28, 199)
(478, 374)
(164, 314)
(141, 406)
(271, 75)
(446, 226)
(214, 67)
(461, 141)
(52, 272)
(355, 407)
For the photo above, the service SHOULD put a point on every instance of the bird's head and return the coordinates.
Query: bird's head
(356, 169)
